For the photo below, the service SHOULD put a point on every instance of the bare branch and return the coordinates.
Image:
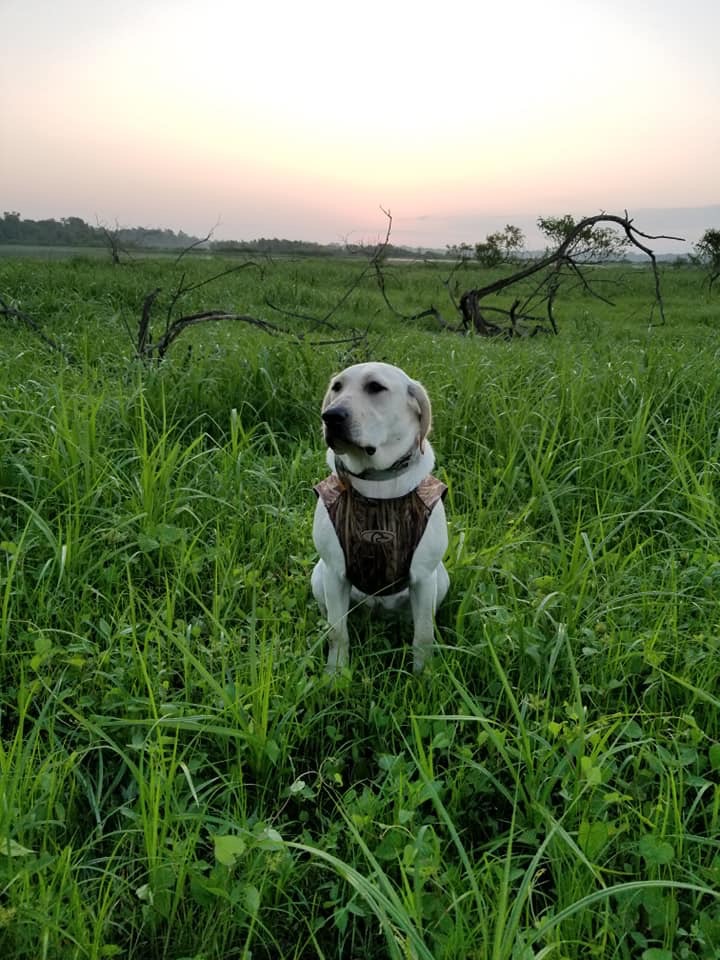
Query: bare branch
(356, 338)
(318, 321)
(160, 348)
(567, 253)
(586, 285)
(181, 290)
(7, 311)
(144, 338)
(376, 257)
(431, 311)
(112, 238)
(196, 243)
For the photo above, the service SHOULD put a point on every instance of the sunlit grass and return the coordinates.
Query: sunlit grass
(178, 778)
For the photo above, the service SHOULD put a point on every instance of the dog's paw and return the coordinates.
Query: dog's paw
(421, 655)
(337, 661)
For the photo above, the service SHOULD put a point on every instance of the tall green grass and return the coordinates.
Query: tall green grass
(178, 778)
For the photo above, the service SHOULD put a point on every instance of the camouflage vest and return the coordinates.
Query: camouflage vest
(379, 537)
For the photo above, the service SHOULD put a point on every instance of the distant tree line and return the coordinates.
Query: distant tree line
(503, 247)
(274, 245)
(308, 248)
(74, 232)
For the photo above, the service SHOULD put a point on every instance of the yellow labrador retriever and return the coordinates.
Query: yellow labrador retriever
(380, 525)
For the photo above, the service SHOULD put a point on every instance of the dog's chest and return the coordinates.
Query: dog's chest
(379, 537)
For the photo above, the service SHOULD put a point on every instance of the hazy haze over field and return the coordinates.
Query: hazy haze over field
(299, 120)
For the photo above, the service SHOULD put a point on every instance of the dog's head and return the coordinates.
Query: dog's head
(373, 414)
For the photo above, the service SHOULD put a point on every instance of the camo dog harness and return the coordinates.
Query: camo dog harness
(379, 537)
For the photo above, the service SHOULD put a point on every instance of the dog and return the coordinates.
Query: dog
(379, 525)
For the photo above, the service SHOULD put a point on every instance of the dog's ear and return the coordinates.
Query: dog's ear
(420, 402)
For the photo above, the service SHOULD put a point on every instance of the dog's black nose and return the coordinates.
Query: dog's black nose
(335, 416)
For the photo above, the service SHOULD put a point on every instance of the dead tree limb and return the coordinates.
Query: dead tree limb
(577, 246)
(14, 313)
(472, 315)
(373, 263)
(112, 239)
(462, 262)
(570, 254)
(195, 243)
(144, 337)
(431, 311)
(296, 315)
(149, 349)
(160, 348)
(181, 290)
(377, 256)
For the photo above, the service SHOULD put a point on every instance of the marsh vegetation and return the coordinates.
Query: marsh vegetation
(178, 777)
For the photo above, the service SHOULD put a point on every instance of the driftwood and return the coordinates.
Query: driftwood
(570, 255)
(149, 349)
(158, 349)
(578, 245)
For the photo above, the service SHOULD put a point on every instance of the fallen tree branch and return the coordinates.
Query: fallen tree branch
(160, 347)
(181, 290)
(295, 315)
(431, 311)
(144, 338)
(569, 254)
(13, 312)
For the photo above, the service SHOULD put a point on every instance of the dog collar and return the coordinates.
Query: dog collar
(389, 473)
(398, 479)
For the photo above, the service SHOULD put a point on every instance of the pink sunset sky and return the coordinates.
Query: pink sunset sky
(300, 120)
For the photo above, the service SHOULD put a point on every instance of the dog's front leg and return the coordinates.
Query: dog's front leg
(331, 587)
(423, 602)
(337, 602)
(428, 584)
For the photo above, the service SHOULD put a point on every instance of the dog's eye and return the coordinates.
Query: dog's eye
(336, 387)
(374, 387)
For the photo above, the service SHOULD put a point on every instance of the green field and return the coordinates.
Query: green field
(178, 776)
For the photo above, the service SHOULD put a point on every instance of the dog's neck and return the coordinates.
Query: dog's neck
(397, 480)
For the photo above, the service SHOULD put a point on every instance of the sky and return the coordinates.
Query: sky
(303, 119)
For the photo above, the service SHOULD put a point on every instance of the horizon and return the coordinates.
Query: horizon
(303, 123)
(696, 219)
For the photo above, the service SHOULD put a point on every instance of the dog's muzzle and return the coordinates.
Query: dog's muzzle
(337, 428)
